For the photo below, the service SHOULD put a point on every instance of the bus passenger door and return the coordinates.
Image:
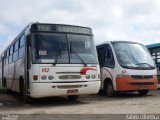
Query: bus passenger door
(101, 51)
(28, 61)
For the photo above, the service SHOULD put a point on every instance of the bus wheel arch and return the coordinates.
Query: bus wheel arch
(6, 90)
(108, 87)
(25, 97)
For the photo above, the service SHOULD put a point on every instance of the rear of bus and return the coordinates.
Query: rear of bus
(128, 67)
(64, 61)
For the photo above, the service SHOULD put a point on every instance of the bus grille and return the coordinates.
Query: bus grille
(70, 77)
(142, 83)
(142, 76)
(69, 86)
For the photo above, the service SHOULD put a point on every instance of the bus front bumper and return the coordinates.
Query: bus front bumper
(129, 84)
(39, 90)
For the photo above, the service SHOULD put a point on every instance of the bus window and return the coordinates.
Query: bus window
(10, 59)
(109, 59)
(15, 56)
(49, 47)
(16, 46)
(101, 51)
(81, 46)
(22, 41)
(11, 50)
(21, 52)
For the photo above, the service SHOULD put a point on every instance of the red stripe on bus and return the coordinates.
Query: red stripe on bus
(84, 70)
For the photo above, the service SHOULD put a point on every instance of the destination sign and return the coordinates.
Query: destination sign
(60, 28)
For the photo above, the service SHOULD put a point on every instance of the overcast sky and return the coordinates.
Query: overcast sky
(133, 20)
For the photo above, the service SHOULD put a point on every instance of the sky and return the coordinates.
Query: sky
(131, 20)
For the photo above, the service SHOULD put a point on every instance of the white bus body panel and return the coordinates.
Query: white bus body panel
(59, 86)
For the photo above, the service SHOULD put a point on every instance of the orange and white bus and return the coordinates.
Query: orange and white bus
(51, 60)
(125, 67)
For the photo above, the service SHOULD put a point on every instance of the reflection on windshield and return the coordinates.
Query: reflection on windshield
(62, 48)
(48, 47)
(82, 49)
(133, 55)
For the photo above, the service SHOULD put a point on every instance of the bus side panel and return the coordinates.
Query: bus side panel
(106, 73)
(12, 74)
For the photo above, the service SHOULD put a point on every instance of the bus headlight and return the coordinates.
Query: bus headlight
(50, 77)
(43, 77)
(93, 76)
(87, 76)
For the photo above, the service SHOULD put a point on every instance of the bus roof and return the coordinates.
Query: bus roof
(60, 28)
(153, 45)
(118, 41)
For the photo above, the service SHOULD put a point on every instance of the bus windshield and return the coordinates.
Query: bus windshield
(63, 48)
(133, 56)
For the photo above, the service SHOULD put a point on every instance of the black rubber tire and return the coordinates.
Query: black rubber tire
(72, 97)
(143, 92)
(108, 89)
(21, 86)
(26, 99)
(6, 91)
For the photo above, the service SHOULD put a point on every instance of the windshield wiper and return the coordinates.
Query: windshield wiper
(57, 55)
(73, 51)
(145, 64)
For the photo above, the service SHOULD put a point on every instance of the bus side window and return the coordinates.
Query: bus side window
(10, 54)
(109, 59)
(21, 47)
(15, 49)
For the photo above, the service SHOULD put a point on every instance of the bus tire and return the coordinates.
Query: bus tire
(108, 89)
(72, 97)
(21, 85)
(26, 99)
(5, 88)
(143, 92)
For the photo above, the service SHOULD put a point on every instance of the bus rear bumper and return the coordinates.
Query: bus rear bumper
(129, 84)
(39, 90)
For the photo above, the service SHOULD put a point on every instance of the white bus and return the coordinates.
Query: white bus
(51, 60)
(0, 73)
(125, 67)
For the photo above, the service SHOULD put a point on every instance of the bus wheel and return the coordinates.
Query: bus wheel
(25, 97)
(5, 88)
(108, 89)
(143, 92)
(73, 97)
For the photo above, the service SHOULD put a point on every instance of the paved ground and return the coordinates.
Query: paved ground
(89, 104)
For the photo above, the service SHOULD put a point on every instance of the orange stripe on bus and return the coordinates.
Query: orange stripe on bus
(126, 83)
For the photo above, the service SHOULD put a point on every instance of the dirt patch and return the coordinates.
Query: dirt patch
(89, 104)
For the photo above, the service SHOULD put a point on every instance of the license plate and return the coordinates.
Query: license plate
(75, 91)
